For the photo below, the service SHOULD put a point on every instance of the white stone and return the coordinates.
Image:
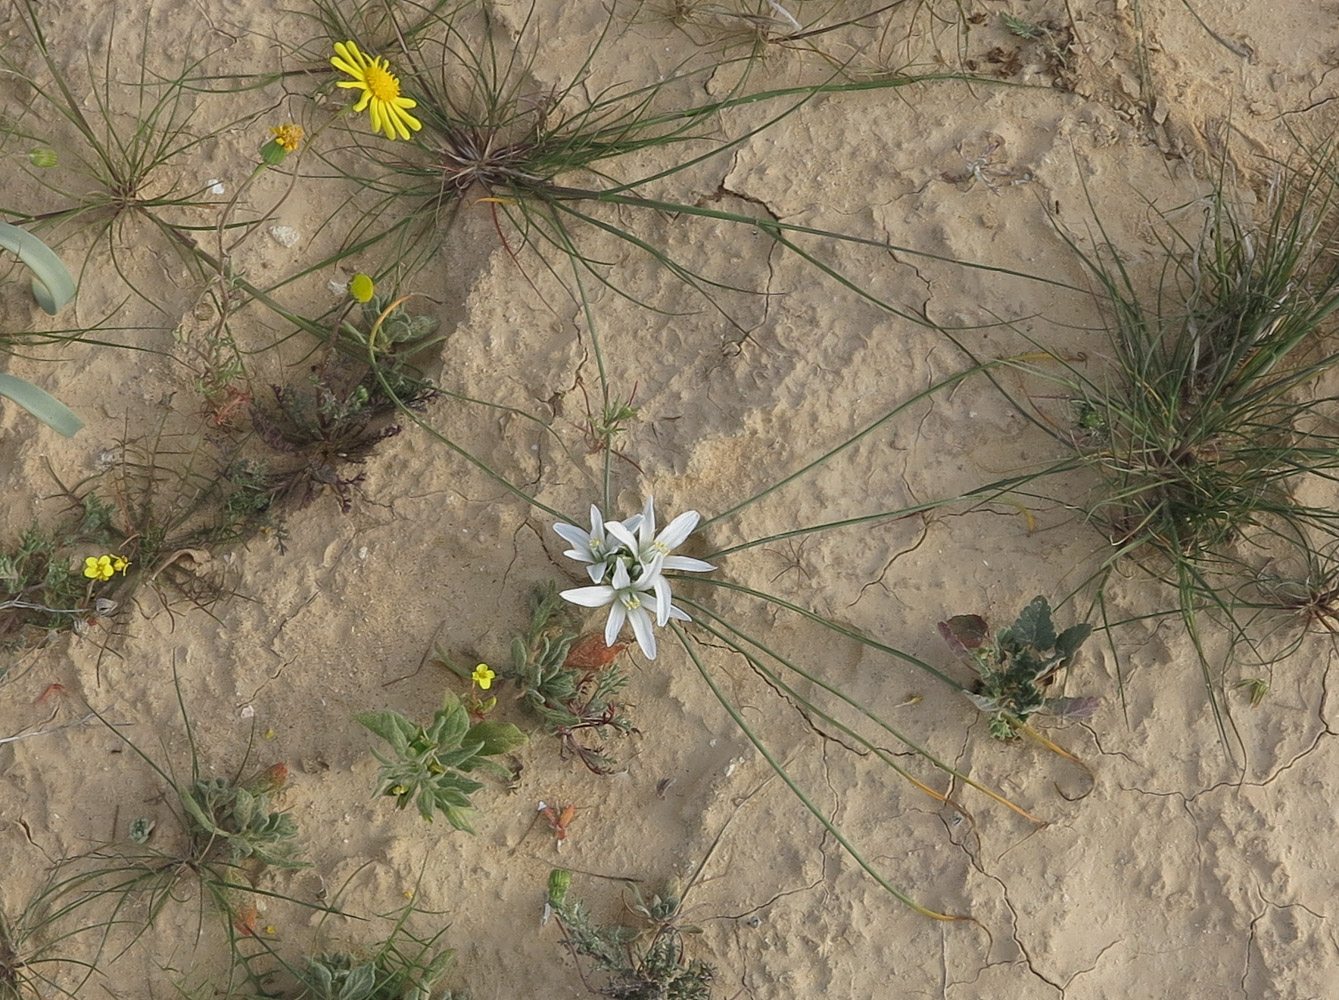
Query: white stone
(285, 236)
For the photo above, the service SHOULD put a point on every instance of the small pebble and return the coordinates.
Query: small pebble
(285, 236)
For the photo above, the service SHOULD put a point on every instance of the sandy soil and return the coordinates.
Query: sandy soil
(1177, 865)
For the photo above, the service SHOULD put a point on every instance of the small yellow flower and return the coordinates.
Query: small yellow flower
(119, 564)
(361, 288)
(99, 567)
(288, 136)
(388, 111)
(483, 676)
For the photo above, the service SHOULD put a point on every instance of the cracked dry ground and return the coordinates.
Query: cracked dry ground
(1169, 863)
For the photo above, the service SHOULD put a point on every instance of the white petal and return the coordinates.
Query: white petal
(573, 536)
(641, 628)
(679, 529)
(650, 573)
(646, 531)
(596, 522)
(615, 623)
(589, 597)
(686, 564)
(597, 571)
(622, 535)
(678, 614)
(621, 579)
(663, 595)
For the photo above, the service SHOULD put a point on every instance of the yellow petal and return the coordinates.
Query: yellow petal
(344, 67)
(405, 102)
(351, 52)
(362, 101)
(404, 118)
(379, 122)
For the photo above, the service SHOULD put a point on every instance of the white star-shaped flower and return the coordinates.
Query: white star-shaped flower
(590, 548)
(624, 596)
(626, 561)
(648, 546)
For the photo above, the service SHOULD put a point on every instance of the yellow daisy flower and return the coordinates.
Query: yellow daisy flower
(381, 98)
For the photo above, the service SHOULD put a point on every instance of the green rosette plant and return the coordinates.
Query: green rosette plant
(428, 764)
(1016, 664)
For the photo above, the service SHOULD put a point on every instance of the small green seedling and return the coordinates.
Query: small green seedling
(429, 763)
(1255, 687)
(1016, 664)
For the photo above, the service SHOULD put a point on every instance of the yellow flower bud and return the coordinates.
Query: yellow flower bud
(361, 288)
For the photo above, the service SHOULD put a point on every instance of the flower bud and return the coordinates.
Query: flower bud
(272, 153)
(361, 288)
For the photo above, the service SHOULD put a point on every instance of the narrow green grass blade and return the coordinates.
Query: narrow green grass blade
(733, 636)
(41, 404)
(53, 286)
(798, 792)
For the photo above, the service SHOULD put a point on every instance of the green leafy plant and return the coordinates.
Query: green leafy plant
(646, 962)
(53, 286)
(40, 588)
(388, 325)
(428, 764)
(404, 965)
(235, 822)
(1219, 415)
(387, 975)
(230, 834)
(336, 418)
(570, 681)
(1016, 664)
